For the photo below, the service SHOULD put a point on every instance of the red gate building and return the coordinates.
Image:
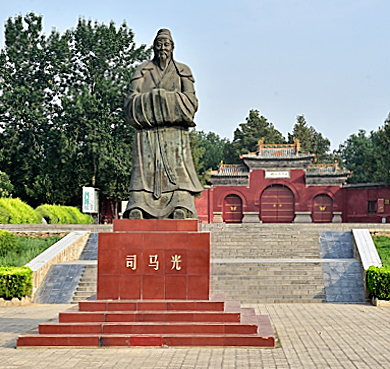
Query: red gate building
(280, 184)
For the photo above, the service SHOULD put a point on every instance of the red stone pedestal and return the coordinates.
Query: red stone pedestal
(153, 290)
(154, 259)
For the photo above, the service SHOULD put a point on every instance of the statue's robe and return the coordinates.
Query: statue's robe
(161, 106)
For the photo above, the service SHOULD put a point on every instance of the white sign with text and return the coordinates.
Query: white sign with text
(277, 174)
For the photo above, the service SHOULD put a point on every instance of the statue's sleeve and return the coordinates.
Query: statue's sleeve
(163, 106)
(180, 103)
(138, 108)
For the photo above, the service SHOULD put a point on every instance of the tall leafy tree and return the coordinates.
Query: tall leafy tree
(216, 149)
(24, 114)
(247, 135)
(311, 140)
(61, 109)
(381, 143)
(103, 59)
(6, 187)
(361, 156)
(198, 152)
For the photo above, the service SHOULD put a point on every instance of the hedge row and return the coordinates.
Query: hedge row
(57, 214)
(378, 282)
(7, 242)
(15, 211)
(15, 282)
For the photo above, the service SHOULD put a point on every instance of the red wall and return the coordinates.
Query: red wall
(203, 206)
(353, 203)
(296, 183)
(356, 207)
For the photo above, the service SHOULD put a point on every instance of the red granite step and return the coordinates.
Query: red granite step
(149, 316)
(54, 340)
(155, 323)
(154, 305)
(146, 340)
(147, 328)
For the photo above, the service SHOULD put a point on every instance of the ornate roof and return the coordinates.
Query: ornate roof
(326, 169)
(276, 151)
(230, 170)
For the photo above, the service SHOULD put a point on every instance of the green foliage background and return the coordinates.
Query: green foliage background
(63, 127)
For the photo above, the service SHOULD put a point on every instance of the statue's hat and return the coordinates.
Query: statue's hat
(164, 33)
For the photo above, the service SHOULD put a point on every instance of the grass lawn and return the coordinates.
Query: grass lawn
(382, 244)
(27, 248)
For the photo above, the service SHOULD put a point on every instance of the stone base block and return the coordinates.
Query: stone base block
(217, 217)
(303, 217)
(337, 217)
(251, 217)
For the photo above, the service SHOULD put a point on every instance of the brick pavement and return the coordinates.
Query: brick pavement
(312, 336)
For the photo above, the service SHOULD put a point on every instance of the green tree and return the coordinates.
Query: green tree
(103, 59)
(247, 135)
(361, 156)
(61, 109)
(216, 149)
(6, 186)
(311, 140)
(198, 152)
(24, 116)
(381, 143)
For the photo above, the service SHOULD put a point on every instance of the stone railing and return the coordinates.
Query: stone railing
(364, 250)
(68, 248)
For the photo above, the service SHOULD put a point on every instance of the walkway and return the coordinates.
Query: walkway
(312, 336)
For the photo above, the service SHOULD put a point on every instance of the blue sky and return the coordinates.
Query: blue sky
(327, 59)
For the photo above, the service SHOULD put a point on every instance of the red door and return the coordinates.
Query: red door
(232, 209)
(322, 209)
(277, 205)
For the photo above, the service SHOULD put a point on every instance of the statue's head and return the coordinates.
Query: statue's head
(163, 46)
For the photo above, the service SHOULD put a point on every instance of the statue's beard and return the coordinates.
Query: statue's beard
(163, 59)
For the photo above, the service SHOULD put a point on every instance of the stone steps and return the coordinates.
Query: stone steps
(155, 323)
(87, 285)
(285, 276)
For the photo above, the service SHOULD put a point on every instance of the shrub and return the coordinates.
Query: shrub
(378, 282)
(4, 216)
(57, 214)
(44, 211)
(15, 282)
(7, 242)
(19, 212)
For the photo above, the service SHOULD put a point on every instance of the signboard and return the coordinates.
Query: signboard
(90, 200)
(277, 174)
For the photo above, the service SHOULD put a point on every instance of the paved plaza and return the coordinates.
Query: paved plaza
(311, 336)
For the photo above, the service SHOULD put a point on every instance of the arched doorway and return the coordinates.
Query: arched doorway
(277, 205)
(322, 209)
(232, 209)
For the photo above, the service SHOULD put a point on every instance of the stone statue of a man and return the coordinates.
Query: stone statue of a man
(161, 107)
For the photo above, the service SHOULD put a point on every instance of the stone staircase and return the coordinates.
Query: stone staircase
(87, 284)
(284, 263)
(267, 263)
